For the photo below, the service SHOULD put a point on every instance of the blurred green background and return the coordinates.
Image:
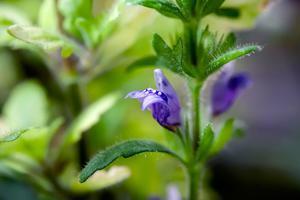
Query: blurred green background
(262, 165)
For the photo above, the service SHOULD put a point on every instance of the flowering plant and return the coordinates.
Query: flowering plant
(197, 55)
(71, 44)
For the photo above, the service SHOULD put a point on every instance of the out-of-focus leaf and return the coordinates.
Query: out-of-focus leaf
(10, 15)
(223, 137)
(89, 117)
(27, 106)
(12, 135)
(206, 142)
(72, 10)
(125, 149)
(164, 7)
(150, 61)
(249, 10)
(228, 12)
(230, 55)
(205, 7)
(47, 16)
(32, 143)
(36, 36)
(101, 179)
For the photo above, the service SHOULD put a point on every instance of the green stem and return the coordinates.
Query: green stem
(190, 35)
(194, 180)
(196, 89)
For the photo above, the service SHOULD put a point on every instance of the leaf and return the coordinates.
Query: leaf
(12, 135)
(171, 59)
(206, 143)
(231, 55)
(71, 11)
(31, 142)
(150, 61)
(228, 12)
(10, 15)
(27, 106)
(223, 137)
(101, 179)
(125, 149)
(47, 18)
(206, 7)
(164, 7)
(36, 36)
(89, 117)
(185, 7)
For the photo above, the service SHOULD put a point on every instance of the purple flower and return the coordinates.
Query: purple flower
(163, 102)
(227, 88)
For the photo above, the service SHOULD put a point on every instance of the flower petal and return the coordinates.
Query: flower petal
(152, 99)
(226, 90)
(165, 87)
(239, 81)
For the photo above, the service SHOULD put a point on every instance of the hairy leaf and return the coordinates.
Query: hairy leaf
(162, 6)
(230, 55)
(125, 149)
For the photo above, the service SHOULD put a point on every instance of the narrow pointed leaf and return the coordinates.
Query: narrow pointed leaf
(162, 6)
(231, 55)
(205, 143)
(223, 137)
(125, 149)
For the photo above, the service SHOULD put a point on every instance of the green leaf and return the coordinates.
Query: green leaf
(206, 143)
(30, 142)
(185, 7)
(162, 6)
(35, 36)
(125, 149)
(230, 55)
(171, 59)
(72, 10)
(100, 180)
(206, 7)
(10, 15)
(150, 61)
(228, 12)
(223, 137)
(48, 19)
(12, 135)
(89, 117)
(27, 106)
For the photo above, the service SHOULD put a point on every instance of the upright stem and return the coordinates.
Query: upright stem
(194, 179)
(196, 88)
